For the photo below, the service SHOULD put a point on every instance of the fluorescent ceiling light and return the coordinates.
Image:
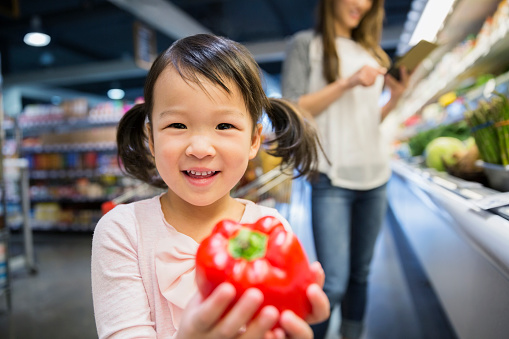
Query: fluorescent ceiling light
(431, 20)
(116, 94)
(37, 39)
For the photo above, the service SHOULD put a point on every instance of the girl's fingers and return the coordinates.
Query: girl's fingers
(240, 314)
(318, 272)
(211, 308)
(295, 327)
(320, 306)
(260, 326)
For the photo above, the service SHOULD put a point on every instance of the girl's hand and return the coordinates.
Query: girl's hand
(202, 317)
(320, 306)
(297, 328)
(366, 76)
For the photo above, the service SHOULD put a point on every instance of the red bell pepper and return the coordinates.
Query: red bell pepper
(263, 255)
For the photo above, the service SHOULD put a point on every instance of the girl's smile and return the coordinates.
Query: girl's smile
(200, 177)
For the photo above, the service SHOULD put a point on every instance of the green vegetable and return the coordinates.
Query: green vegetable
(444, 151)
(489, 130)
(418, 143)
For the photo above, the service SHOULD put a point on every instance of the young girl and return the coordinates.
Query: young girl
(195, 133)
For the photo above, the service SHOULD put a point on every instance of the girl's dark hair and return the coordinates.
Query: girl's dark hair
(221, 61)
(367, 34)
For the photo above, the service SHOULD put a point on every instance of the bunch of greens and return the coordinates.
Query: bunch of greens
(489, 123)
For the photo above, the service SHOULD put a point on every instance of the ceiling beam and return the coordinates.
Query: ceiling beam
(163, 16)
(78, 74)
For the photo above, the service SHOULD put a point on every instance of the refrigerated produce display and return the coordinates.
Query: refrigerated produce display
(449, 191)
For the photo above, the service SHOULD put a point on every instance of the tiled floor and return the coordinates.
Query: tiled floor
(56, 302)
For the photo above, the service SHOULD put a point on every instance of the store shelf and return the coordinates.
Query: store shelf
(458, 197)
(72, 161)
(35, 128)
(59, 174)
(462, 247)
(457, 63)
(81, 147)
(489, 58)
(466, 18)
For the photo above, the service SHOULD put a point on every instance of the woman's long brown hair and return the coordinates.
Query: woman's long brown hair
(367, 34)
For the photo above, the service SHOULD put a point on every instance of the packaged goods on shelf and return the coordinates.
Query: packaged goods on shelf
(75, 109)
(108, 111)
(92, 136)
(40, 114)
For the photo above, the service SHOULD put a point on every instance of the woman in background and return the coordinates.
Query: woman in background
(337, 73)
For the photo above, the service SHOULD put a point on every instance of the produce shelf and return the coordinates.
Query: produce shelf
(462, 247)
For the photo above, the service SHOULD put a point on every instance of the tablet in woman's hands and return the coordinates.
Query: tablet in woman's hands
(412, 58)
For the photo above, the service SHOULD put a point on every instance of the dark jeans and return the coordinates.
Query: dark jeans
(346, 224)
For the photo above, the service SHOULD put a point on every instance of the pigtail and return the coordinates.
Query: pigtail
(296, 141)
(132, 144)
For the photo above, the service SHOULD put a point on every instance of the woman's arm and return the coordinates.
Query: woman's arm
(316, 102)
(295, 78)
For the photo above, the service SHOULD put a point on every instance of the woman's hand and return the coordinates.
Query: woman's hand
(297, 328)
(202, 318)
(366, 76)
(396, 87)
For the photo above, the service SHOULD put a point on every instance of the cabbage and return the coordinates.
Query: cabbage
(443, 150)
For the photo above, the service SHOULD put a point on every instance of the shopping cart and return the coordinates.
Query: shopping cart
(272, 189)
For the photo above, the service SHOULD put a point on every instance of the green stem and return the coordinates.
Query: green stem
(248, 244)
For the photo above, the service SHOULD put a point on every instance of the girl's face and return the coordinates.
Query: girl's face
(349, 13)
(202, 140)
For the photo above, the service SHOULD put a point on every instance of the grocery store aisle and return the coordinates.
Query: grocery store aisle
(56, 302)
(401, 302)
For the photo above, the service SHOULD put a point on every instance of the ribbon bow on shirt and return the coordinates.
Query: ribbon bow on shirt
(175, 263)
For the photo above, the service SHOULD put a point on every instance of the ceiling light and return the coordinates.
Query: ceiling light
(116, 94)
(431, 20)
(36, 37)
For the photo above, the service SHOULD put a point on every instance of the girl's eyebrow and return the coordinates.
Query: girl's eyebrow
(227, 111)
(168, 112)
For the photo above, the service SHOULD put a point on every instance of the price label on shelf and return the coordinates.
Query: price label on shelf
(492, 201)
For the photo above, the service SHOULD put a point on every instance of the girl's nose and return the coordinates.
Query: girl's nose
(200, 147)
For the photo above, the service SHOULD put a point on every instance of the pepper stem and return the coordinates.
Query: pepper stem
(248, 245)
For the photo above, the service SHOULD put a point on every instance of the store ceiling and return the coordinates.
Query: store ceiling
(92, 40)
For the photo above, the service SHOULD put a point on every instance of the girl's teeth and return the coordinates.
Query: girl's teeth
(201, 173)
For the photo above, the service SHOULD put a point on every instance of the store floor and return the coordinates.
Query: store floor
(56, 301)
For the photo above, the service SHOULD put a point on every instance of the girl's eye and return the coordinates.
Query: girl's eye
(225, 126)
(177, 125)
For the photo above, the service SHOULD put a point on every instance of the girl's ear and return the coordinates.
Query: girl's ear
(150, 138)
(256, 141)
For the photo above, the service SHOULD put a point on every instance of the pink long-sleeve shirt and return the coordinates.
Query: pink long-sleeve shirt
(143, 270)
